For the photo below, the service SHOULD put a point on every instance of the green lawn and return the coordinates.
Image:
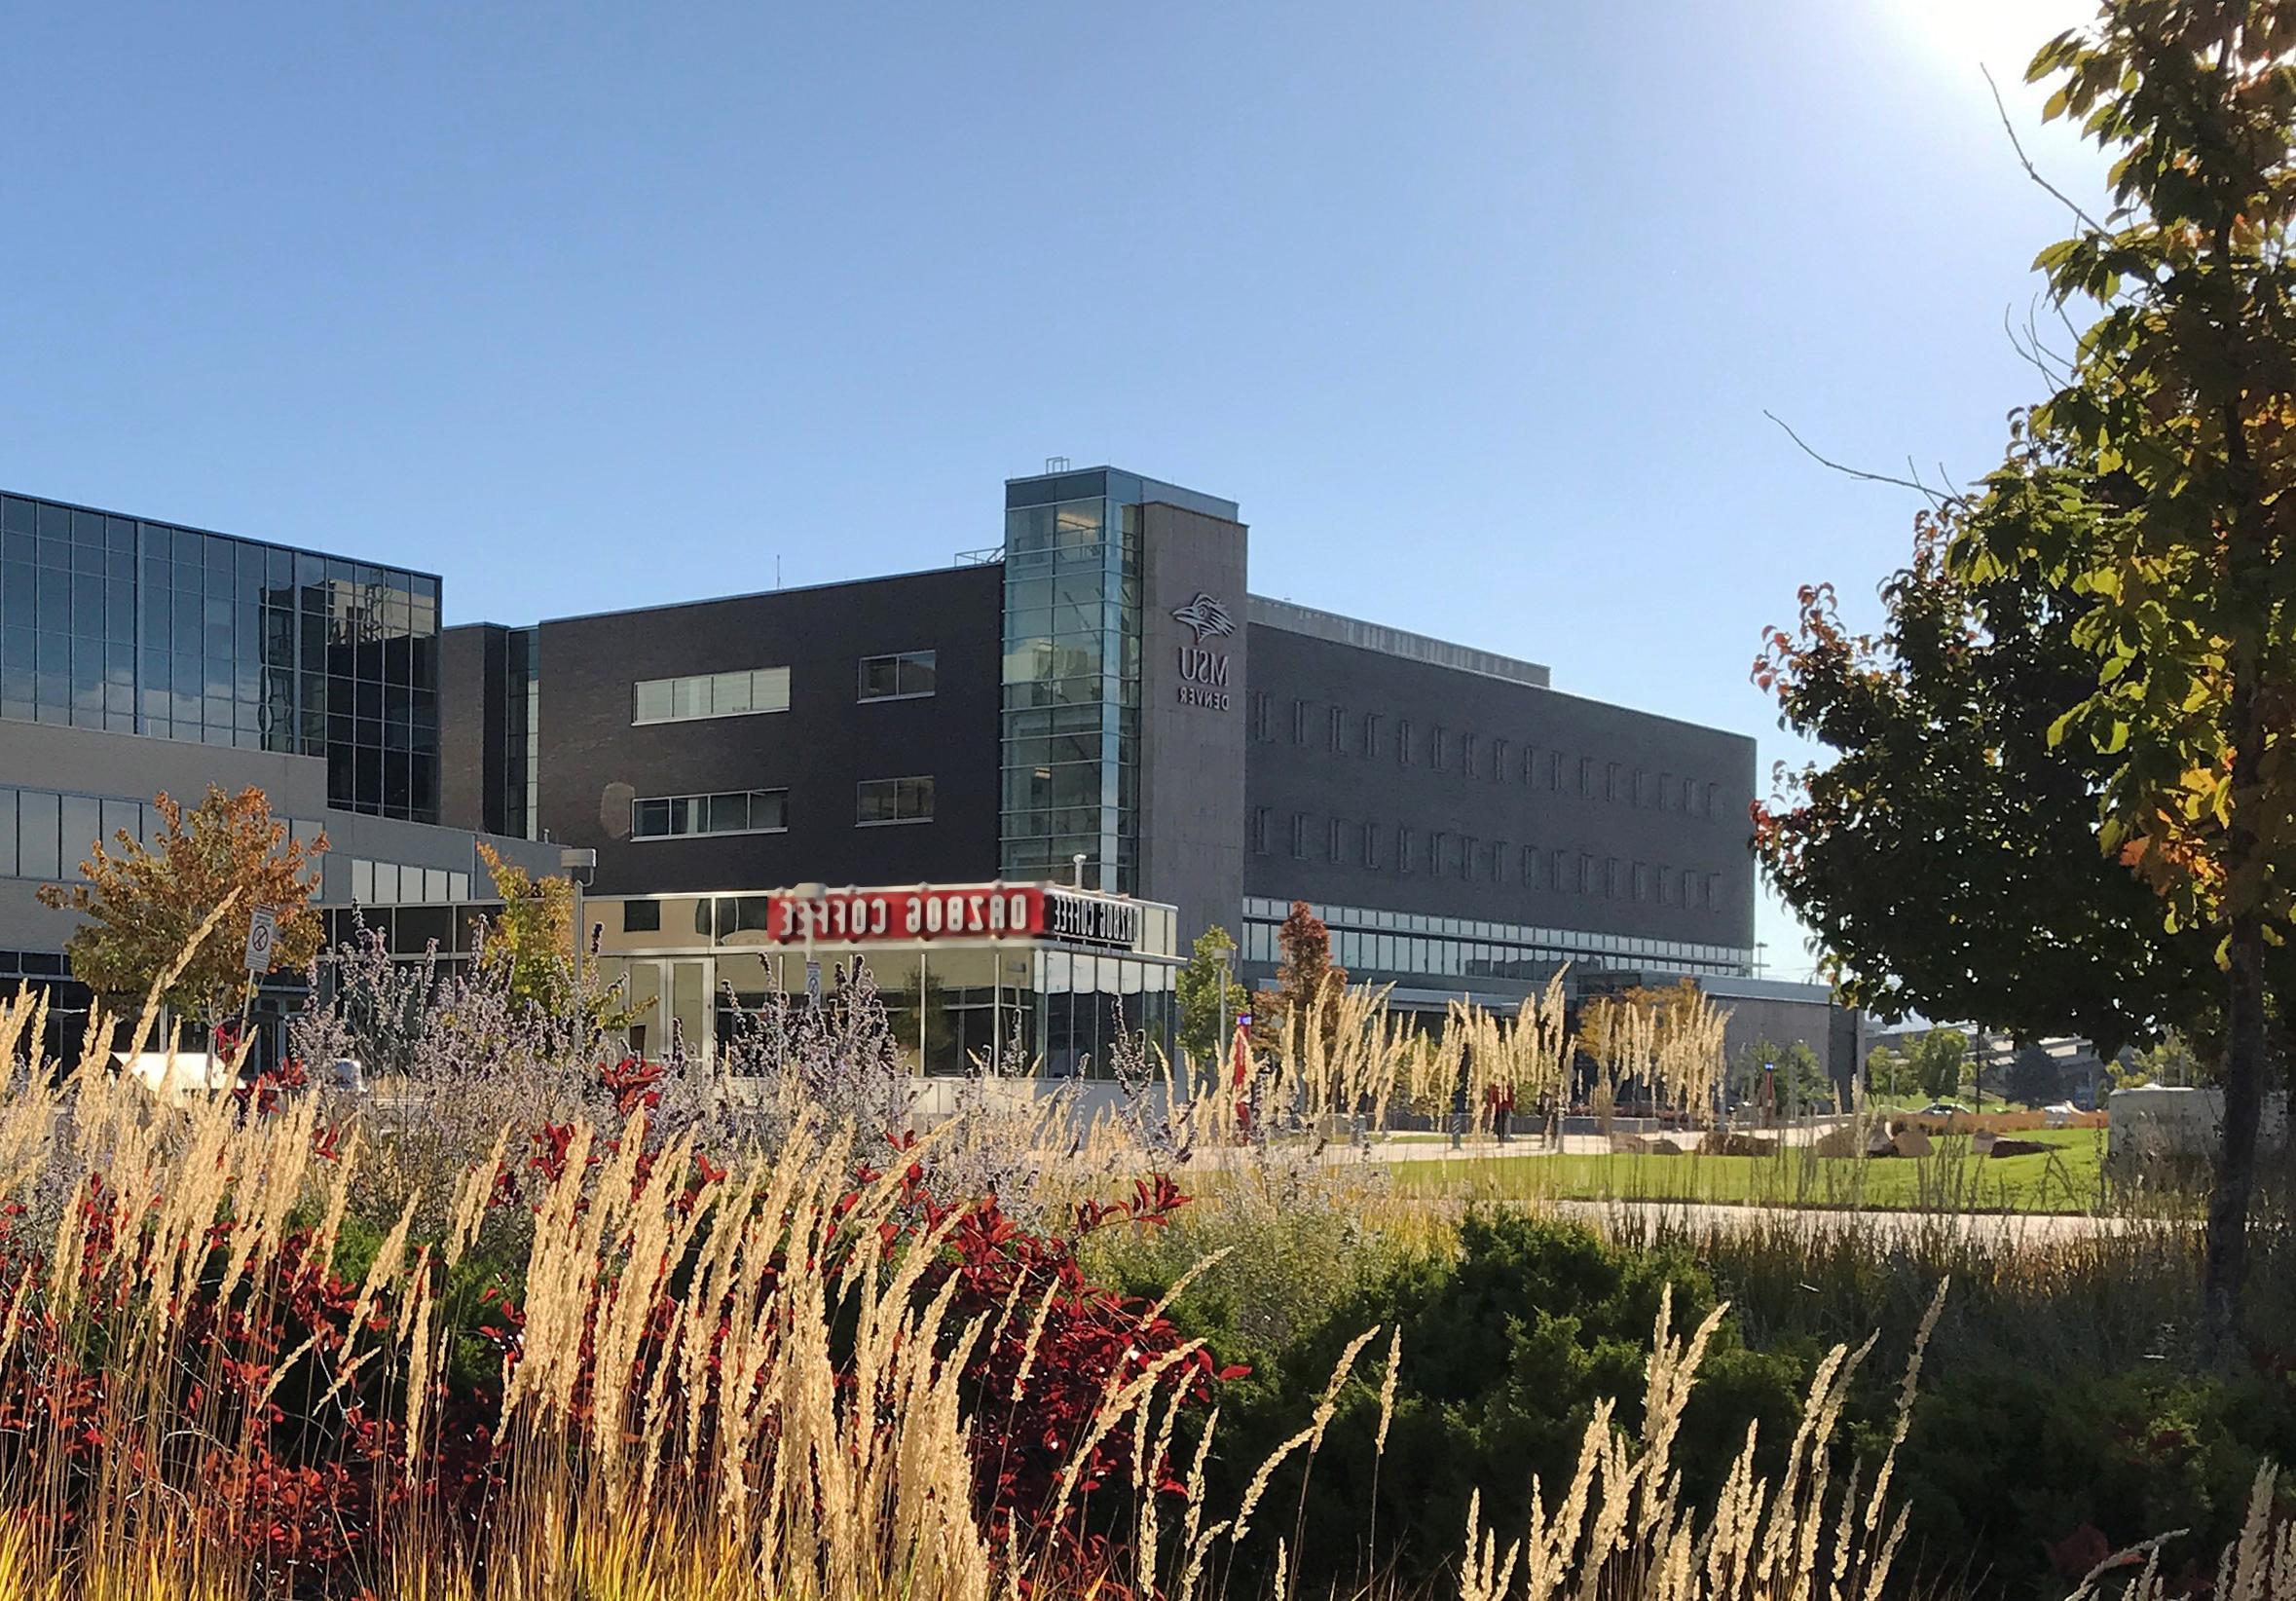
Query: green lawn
(2065, 1178)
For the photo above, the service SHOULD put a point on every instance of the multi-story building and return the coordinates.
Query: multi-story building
(140, 656)
(1100, 701)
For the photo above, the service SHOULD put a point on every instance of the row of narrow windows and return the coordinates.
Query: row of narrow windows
(1441, 854)
(1374, 736)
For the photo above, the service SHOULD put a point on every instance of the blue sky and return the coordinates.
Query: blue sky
(1475, 308)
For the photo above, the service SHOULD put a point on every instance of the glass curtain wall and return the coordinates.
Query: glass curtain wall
(1071, 725)
(141, 627)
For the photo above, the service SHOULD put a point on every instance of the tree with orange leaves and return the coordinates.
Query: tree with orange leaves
(142, 905)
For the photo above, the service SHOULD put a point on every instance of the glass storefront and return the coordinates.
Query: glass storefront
(1033, 1003)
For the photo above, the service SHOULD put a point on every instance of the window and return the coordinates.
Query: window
(1260, 818)
(1299, 723)
(1438, 748)
(1559, 870)
(1712, 891)
(1530, 866)
(740, 693)
(893, 801)
(1554, 770)
(641, 916)
(1436, 843)
(1466, 755)
(901, 677)
(1713, 797)
(1612, 876)
(1259, 717)
(1498, 853)
(1403, 742)
(1683, 803)
(1371, 733)
(1370, 846)
(1402, 850)
(1612, 783)
(732, 811)
(1299, 836)
(1586, 776)
(1642, 882)
(1335, 849)
(1586, 874)
(1338, 730)
(1468, 848)
(1498, 760)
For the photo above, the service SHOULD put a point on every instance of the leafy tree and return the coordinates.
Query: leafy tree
(2035, 1078)
(1209, 998)
(1888, 1074)
(142, 905)
(1784, 1076)
(1938, 1059)
(2155, 481)
(530, 950)
(2171, 1061)
(1945, 858)
(1305, 976)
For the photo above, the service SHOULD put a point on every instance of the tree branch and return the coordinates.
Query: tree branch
(2026, 162)
(1936, 498)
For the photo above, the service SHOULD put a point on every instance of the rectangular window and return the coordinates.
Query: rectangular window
(1712, 891)
(1299, 836)
(1499, 858)
(1436, 843)
(641, 916)
(1468, 848)
(1438, 748)
(1586, 776)
(1259, 717)
(893, 801)
(1370, 846)
(905, 676)
(1335, 849)
(1586, 874)
(1558, 871)
(1530, 866)
(1260, 818)
(1402, 850)
(732, 811)
(1403, 742)
(1498, 760)
(740, 693)
(1642, 882)
(1612, 876)
(1338, 730)
(1611, 783)
(1466, 756)
(1371, 733)
(1713, 797)
(1554, 772)
(1299, 723)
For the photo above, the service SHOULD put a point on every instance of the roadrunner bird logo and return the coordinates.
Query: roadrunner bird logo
(1206, 616)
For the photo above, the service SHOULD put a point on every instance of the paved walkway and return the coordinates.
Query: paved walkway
(2010, 1229)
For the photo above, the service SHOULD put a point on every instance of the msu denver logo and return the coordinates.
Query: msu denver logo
(1206, 616)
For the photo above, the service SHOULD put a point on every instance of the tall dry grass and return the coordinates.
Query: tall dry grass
(835, 1463)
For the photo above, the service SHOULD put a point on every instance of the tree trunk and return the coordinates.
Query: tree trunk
(2224, 1273)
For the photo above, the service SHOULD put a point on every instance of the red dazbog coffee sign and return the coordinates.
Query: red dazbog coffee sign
(965, 912)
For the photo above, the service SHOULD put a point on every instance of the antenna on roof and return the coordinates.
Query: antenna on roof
(1055, 463)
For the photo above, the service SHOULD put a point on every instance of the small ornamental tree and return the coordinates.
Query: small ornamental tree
(1938, 1061)
(530, 950)
(142, 905)
(1209, 998)
(1306, 977)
